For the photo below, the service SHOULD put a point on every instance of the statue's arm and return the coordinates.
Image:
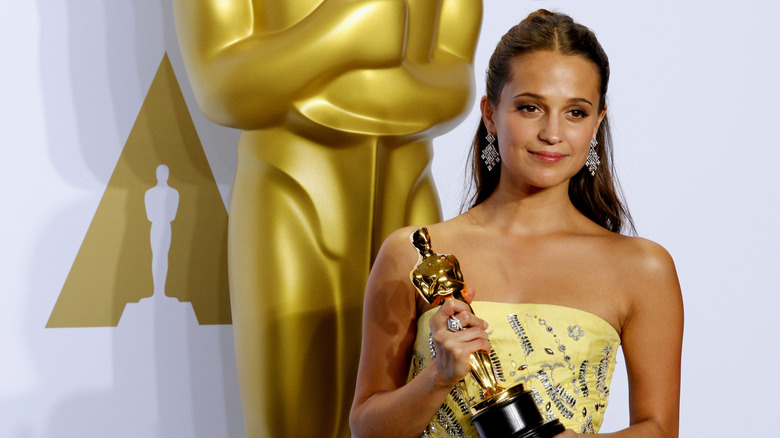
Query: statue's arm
(148, 201)
(246, 76)
(455, 267)
(442, 88)
(174, 205)
(459, 25)
(421, 286)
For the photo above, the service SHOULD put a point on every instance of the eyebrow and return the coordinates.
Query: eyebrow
(537, 96)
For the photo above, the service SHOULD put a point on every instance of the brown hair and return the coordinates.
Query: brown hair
(597, 197)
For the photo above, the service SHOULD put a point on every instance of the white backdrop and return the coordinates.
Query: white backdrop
(693, 101)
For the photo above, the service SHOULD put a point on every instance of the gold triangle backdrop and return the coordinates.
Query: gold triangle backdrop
(114, 264)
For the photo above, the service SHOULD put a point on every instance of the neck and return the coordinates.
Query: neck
(529, 210)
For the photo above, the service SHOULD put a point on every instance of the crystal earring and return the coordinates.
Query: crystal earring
(592, 163)
(490, 154)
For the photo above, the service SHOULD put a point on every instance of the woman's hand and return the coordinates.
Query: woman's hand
(454, 348)
(568, 433)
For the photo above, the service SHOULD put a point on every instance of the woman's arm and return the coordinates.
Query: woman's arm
(651, 336)
(385, 404)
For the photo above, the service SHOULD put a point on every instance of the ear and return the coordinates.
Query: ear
(487, 114)
(602, 114)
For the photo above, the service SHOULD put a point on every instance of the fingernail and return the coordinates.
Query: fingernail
(484, 325)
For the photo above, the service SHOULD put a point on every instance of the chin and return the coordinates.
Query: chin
(548, 181)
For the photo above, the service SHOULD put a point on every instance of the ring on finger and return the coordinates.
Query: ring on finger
(454, 324)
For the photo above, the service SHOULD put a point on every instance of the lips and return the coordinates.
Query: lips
(548, 156)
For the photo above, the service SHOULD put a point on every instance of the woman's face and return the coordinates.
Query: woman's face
(546, 116)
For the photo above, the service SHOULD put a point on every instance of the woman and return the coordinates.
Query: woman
(557, 288)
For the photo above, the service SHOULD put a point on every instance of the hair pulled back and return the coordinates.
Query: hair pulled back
(597, 197)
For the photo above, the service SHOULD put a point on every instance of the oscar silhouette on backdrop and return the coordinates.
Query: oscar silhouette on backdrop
(338, 101)
(161, 202)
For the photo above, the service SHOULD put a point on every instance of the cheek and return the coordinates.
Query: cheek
(513, 140)
(583, 136)
(517, 131)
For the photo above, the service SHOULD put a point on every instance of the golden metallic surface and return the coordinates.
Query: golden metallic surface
(338, 101)
(435, 276)
(438, 277)
(505, 395)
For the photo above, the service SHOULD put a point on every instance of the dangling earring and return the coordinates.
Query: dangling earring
(592, 163)
(490, 155)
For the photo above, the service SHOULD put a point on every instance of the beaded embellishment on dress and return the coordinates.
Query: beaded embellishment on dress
(564, 356)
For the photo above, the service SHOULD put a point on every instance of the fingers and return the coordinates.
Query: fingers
(468, 295)
(461, 356)
(460, 310)
(472, 336)
(468, 320)
(454, 347)
(464, 343)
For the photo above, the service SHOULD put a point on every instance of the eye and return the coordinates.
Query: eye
(578, 114)
(527, 109)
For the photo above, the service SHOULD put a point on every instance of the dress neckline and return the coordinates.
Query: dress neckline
(558, 306)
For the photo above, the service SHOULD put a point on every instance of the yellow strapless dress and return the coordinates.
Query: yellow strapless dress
(565, 356)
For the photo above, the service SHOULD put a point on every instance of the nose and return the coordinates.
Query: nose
(550, 131)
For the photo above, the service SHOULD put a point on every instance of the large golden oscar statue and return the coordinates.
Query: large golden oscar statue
(338, 101)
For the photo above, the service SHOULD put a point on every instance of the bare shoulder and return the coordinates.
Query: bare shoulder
(448, 232)
(398, 256)
(644, 256)
(396, 253)
(389, 277)
(650, 276)
(398, 240)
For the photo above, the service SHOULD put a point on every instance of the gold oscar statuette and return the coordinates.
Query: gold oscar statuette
(338, 102)
(504, 412)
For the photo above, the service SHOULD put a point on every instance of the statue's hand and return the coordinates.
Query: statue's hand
(459, 25)
(450, 287)
(372, 31)
(421, 77)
